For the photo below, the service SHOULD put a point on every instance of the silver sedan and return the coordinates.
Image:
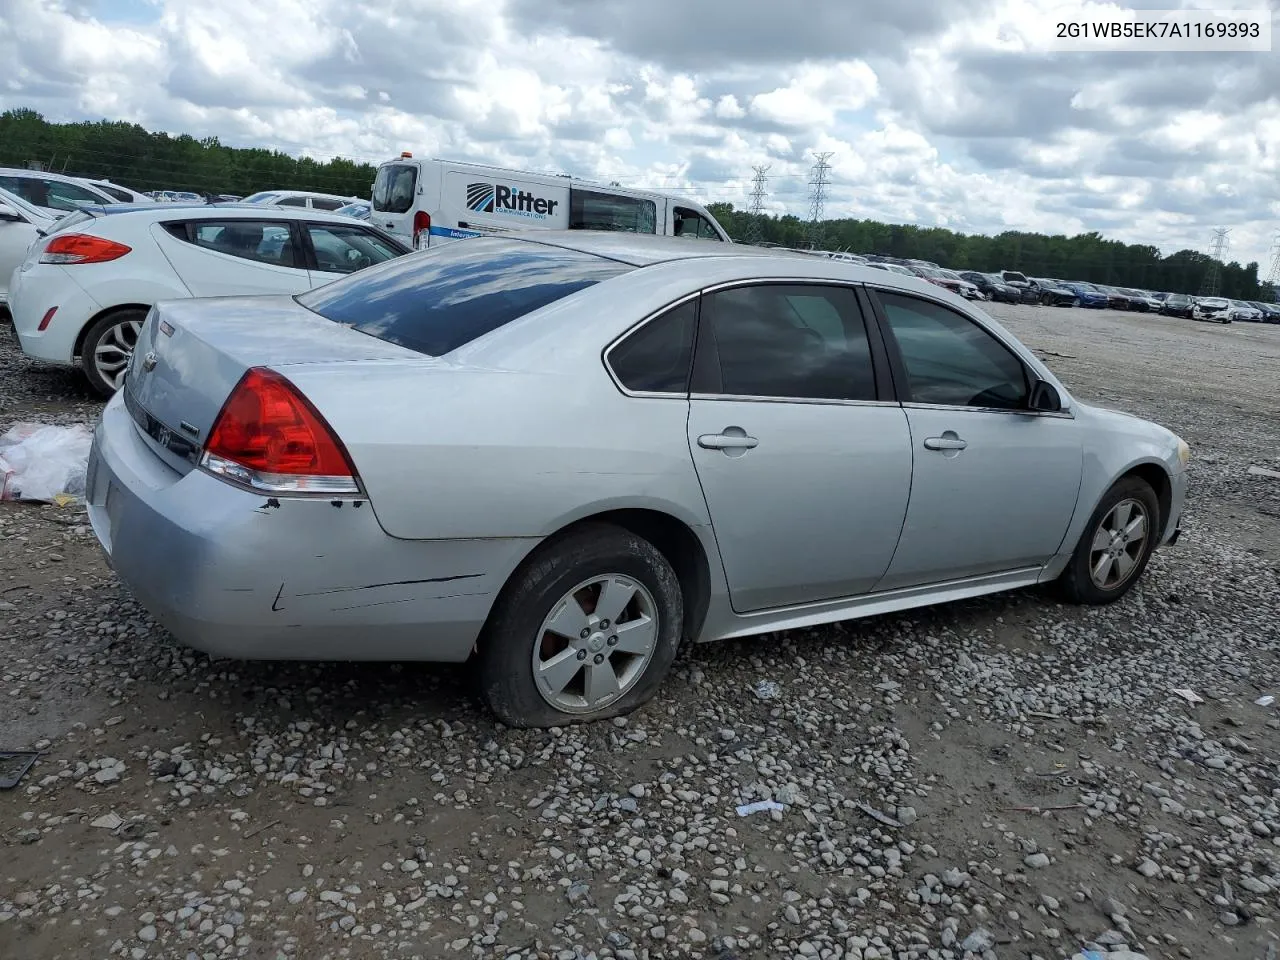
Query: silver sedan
(560, 457)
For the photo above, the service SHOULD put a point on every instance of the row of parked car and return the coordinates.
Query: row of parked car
(79, 271)
(1012, 286)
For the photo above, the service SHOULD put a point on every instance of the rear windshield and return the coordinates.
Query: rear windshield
(393, 187)
(436, 301)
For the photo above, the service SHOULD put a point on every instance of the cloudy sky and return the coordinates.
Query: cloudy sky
(937, 112)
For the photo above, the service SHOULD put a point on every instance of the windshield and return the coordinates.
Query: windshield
(264, 197)
(438, 300)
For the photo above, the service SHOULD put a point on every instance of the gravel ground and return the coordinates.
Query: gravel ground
(1004, 778)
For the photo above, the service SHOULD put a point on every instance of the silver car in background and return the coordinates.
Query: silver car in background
(561, 456)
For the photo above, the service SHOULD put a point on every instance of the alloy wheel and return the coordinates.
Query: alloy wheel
(112, 352)
(1118, 544)
(595, 643)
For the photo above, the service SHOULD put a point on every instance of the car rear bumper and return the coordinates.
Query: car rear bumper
(236, 574)
(32, 294)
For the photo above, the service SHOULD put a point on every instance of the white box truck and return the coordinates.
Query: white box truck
(435, 201)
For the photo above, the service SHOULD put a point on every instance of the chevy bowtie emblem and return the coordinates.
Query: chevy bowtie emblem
(149, 361)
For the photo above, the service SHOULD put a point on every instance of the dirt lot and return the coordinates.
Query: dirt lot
(1045, 791)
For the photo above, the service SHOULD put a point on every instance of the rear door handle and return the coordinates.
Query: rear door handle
(945, 443)
(727, 441)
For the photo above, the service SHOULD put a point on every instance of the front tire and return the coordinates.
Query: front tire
(107, 347)
(1116, 544)
(586, 629)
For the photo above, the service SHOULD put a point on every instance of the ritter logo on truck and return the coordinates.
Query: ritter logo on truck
(497, 198)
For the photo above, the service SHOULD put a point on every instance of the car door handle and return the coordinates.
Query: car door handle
(945, 443)
(727, 441)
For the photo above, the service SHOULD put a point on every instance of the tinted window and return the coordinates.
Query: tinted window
(656, 357)
(688, 223)
(393, 187)
(323, 203)
(951, 360)
(800, 341)
(292, 202)
(49, 193)
(608, 211)
(436, 301)
(343, 249)
(263, 241)
(114, 192)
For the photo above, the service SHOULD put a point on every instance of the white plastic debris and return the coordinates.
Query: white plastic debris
(1189, 695)
(43, 462)
(1264, 472)
(747, 809)
(1266, 701)
(767, 690)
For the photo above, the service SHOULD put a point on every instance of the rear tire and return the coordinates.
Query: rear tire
(547, 659)
(107, 347)
(1110, 555)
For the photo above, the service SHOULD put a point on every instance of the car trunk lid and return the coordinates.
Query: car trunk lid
(191, 353)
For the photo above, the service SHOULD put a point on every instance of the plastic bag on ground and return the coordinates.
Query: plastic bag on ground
(41, 461)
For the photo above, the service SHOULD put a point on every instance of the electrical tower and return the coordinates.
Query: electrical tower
(1209, 286)
(1273, 275)
(818, 197)
(755, 207)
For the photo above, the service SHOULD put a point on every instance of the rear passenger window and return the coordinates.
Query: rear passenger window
(805, 342)
(656, 358)
(322, 203)
(292, 202)
(610, 211)
(263, 241)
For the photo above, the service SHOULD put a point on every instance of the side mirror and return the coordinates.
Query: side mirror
(1044, 397)
(8, 213)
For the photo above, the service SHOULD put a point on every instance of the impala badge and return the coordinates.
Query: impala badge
(149, 361)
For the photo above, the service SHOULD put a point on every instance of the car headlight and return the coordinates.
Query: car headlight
(1184, 452)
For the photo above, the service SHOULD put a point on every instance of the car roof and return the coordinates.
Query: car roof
(191, 210)
(307, 193)
(729, 260)
(39, 174)
(639, 250)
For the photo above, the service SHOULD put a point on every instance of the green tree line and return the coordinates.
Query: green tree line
(1087, 256)
(137, 158)
(131, 155)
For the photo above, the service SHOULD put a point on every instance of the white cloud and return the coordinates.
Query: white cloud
(937, 112)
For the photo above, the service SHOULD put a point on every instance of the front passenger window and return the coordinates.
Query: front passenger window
(950, 360)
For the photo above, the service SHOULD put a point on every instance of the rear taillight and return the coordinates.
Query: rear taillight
(82, 248)
(269, 437)
(421, 225)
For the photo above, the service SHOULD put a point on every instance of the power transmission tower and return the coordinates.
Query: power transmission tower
(1273, 275)
(755, 231)
(818, 197)
(1212, 281)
